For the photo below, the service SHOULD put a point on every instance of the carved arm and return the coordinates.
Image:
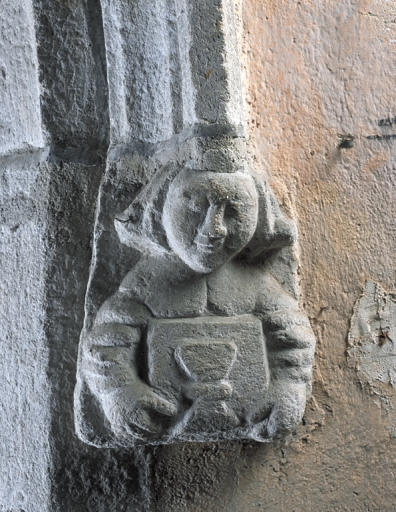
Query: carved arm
(109, 363)
(290, 345)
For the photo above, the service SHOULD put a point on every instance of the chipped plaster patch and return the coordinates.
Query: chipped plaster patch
(372, 336)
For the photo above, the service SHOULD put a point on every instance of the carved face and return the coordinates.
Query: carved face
(209, 217)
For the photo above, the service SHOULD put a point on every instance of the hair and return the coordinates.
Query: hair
(140, 225)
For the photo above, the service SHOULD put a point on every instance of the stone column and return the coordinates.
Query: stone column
(25, 454)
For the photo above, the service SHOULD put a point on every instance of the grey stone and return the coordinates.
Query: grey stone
(142, 70)
(186, 229)
(173, 67)
(73, 76)
(216, 63)
(25, 402)
(210, 361)
(181, 96)
(20, 123)
(80, 475)
(47, 203)
(203, 239)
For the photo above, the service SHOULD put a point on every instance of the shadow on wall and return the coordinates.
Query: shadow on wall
(85, 479)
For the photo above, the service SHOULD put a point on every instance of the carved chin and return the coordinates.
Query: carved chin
(203, 264)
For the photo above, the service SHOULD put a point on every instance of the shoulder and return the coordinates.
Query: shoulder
(272, 296)
(123, 308)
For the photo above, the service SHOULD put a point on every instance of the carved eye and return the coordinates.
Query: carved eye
(231, 211)
(193, 206)
(192, 202)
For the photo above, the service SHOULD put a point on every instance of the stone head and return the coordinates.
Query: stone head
(206, 215)
(209, 217)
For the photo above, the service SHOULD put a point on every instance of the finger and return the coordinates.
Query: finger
(273, 424)
(160, 405)
(142, 421)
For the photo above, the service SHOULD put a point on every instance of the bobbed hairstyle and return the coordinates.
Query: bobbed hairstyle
(140, 225)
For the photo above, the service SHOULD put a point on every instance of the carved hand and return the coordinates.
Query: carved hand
(138, 411)
(130, 405)
(288, 400)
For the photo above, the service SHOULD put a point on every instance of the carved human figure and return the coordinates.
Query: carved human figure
(204, 237)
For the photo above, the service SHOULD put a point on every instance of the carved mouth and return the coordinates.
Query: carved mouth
(205, 245)
(208, 246)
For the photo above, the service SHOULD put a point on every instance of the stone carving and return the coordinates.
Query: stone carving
(201, 341)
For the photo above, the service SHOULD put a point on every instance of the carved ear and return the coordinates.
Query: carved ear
(284, 230)
(128, 224)
(274, 230)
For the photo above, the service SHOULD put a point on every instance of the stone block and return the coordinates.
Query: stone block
(20, 125)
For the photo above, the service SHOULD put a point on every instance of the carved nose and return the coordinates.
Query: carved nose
(214, 227)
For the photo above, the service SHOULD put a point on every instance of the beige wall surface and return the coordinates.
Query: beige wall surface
(321, 75)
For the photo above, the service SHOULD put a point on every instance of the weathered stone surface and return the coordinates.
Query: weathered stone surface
(20, 124)
(47, 216)
(216, 63)
(321, 94)
(173, 67)
(204, 240)
(143, 70)
(201, 222)
(25, 459)
(73, 77)
(371, 347)
(82, 478)
(219, 359)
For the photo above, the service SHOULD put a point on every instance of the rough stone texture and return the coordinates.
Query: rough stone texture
(20, 123)
(25, 460)
(211, 243)
(73, 77)
(228, 277)
(74, 103)
(47, 208)
(371, 347)
(77, 482)
(317, 70)
(139, 70)
(216, 65)
(172, 68)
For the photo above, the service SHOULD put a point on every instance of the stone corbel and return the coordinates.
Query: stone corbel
(193, 330)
